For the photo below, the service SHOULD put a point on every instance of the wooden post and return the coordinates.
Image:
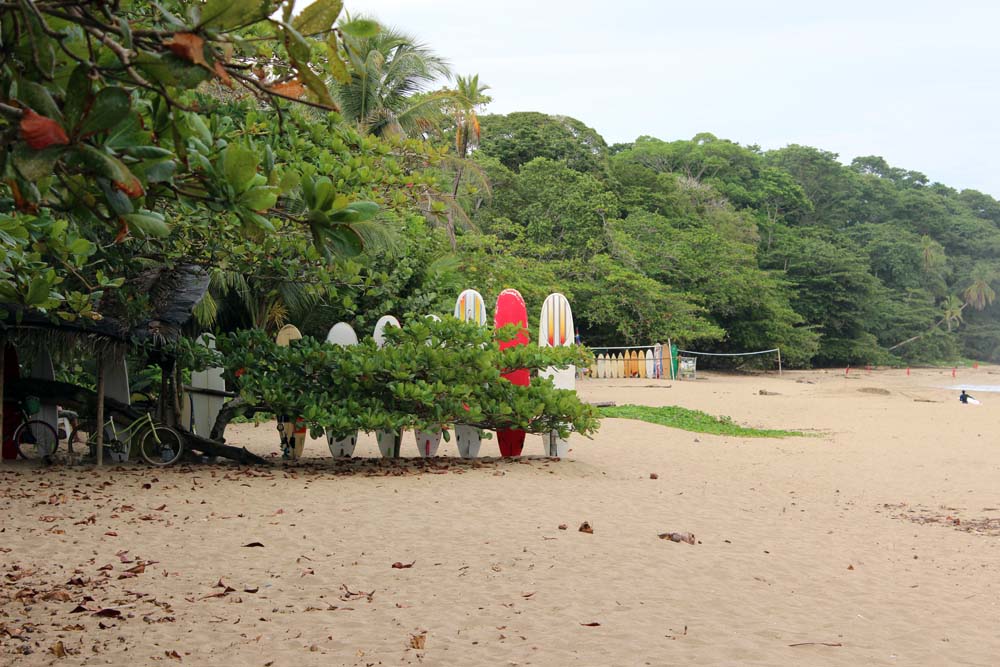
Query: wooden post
(670, 358)
(779, 361)
(100, 409)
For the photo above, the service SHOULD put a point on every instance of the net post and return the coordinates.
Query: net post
(779, 361)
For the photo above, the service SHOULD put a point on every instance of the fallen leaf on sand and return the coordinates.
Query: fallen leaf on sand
(402, 566)
(108, 613)
(254, 544)
(562, 526)
(418, 641)
(678, 537)
(585, 528)
(173, 654)
(653, 475)
(592, 624)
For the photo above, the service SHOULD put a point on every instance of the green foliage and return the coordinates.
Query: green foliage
(429, 375)
(692, 420)
(518, 138)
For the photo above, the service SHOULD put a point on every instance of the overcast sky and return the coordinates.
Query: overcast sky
(915, 82)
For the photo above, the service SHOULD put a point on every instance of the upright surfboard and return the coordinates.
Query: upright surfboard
(641, 357)
(650, 364)
(469, 307)
(555, 329)
(205, 408)
(388, 441)
(116, 386)
(511, 310)
(11, 373)
(602, 362)
(620, 367)
(42, 369)
(342, 445)
(292, 429)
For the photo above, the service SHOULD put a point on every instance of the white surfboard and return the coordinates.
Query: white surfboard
(205, 408)
(342, 334)
(388, 441)
(116, 386)
(42, 369)
(650, 364)
(974, 401)
(601, 363)
(555, 329)
(293, 432)
(469, 307)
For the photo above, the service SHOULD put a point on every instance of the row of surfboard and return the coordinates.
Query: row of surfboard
(555, 329)
(631, 364)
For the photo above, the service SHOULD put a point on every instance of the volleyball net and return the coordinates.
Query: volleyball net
(658, 361)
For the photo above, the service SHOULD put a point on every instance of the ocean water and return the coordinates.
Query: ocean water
(973, 388)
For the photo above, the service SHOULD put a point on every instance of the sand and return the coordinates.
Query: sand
(873, 541)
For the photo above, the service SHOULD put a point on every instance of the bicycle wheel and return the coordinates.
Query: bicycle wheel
(83, 440)
(159, 445)
(35, 439)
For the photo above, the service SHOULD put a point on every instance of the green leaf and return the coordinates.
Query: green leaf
(239, 166)
(343, 241)
(318, 17)
(361, 28)
(358, 211)
(38, 98)
(298, 47)
(229, 14)
(35, 165)
(38, 292)
(148, 223)
(259, 198)
(198, 125)
(111, 106)
(77, 95)
(316, 85)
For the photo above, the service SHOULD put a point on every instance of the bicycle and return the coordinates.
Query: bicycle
(158, 445)
(34, 438)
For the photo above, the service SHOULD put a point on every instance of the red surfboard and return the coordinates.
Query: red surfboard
(511, 310)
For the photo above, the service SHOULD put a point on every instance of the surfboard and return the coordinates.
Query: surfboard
(116, 386)
(342, 334)
(291, 429)
(658, 360)
(974, 401)
(388, 441)
(555, 329)
(469, 307)
(650, 364)
(42, 369)
(11, 373)
(641, 357)
(205, 408)
(510, 309)
(602, 362)
(620, 366)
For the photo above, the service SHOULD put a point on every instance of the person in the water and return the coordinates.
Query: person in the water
(964, 397)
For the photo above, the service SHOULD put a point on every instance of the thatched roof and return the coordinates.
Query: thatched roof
(173, 293)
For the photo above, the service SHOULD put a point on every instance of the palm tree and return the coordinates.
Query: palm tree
(952, 311)
(979, 293)
(388, 70)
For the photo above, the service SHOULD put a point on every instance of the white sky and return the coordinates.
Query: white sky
(913, 81)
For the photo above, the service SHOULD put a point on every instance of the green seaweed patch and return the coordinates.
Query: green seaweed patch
(693, 420)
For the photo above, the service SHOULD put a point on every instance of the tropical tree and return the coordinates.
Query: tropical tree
(389, 70)
(980, 293)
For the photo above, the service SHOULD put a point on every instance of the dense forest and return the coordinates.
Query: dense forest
(314, 165)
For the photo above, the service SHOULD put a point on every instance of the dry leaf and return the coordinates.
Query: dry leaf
(592, 624)
(402, 566)
(293, 89)
(58, 650)
(173, 654)
(562, 526)
(653, 475)
(254, 544)
(107, 613)
(585, 528)
(418, 641)
(188, 46)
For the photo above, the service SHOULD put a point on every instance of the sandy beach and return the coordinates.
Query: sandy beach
(872, 541)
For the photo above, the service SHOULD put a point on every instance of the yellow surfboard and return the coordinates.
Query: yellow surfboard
(642, 363)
